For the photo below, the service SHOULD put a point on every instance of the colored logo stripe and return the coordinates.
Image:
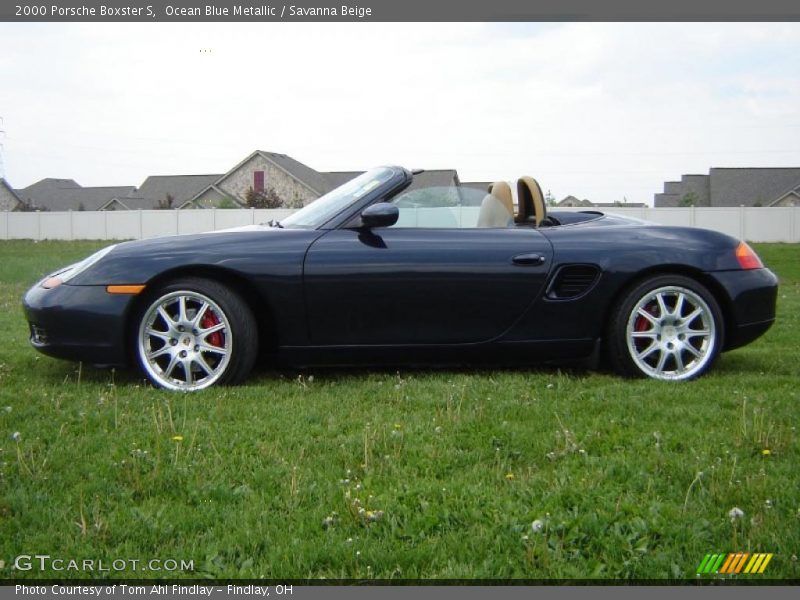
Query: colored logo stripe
(733, 563)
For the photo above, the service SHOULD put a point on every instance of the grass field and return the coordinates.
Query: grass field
(625, 479)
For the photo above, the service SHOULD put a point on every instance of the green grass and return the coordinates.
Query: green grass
(631, 479)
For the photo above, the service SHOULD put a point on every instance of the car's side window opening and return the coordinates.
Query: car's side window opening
(453, 207)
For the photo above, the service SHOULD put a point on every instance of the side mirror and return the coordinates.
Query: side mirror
(381, 214)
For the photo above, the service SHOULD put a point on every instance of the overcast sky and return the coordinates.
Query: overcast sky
(599, 111)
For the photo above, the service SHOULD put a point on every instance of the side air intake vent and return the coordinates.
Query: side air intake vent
(573, 281)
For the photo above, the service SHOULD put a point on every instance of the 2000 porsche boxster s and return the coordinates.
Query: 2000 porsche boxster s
(383, 272)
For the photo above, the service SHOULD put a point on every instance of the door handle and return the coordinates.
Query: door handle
(529, 259)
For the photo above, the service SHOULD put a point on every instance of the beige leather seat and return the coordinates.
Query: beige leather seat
(532, 207)
(497, 208)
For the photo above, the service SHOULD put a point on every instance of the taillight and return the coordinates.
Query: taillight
(747, 257)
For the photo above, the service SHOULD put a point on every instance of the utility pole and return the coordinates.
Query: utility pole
(2, 135)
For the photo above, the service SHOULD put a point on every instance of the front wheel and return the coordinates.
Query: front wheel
(194, 333)
(668, 327)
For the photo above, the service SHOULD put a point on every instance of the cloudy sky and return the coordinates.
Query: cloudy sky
(599, 111)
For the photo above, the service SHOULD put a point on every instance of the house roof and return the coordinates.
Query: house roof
(434, 178)
(313, 180)
(573, 201)
(11, 190)
(478, 185)
(48, 183)
(182, 188)
(303, 173)
(337, 178)
(794, 190)
(747, 186)
(427, 178)
(66, 194)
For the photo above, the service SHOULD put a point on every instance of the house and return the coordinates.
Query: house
(573, 202)
(67, 194)
(753, 186)
(482, 186)
(295, 183)
(8, 197)
(169, 191)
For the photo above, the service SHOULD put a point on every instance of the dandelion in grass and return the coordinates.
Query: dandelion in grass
(177, 438)
(330, 520)
(373, 516)
(537, 526)
(768, 503)
(509, 477)
(735, 513)
(16, 436)
(766, 452)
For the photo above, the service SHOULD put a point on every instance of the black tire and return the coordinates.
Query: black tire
(229, 356)
(636, 342)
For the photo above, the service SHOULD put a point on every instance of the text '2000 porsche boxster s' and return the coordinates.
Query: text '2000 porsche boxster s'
(381, 271)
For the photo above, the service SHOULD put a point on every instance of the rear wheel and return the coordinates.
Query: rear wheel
(194, 333)
(668, 327)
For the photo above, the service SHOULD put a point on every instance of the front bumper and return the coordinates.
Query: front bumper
(80, 323)
(753, 297)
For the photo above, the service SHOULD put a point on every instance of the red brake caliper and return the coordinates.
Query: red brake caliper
(642, 324)
(209, 320)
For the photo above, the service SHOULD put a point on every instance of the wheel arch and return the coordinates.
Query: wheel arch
(261, 307)
(719, 293)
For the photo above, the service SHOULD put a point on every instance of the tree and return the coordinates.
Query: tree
(688, 199)
(266, 199)
(549, 199)
(228, 202)
(166, 203)
(28, 206)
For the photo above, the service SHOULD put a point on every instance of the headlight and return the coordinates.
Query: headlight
(71, 271)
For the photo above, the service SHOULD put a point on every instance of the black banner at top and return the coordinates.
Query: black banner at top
(397, 10)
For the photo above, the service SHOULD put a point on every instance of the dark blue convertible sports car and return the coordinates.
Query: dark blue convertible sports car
(382, 272)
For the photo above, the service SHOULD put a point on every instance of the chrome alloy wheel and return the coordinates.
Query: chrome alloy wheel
(185, 341)
(671, 333)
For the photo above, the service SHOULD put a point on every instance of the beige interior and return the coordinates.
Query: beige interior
(497, 208)
(531, 201)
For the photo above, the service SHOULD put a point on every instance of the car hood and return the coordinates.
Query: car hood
(139, 261)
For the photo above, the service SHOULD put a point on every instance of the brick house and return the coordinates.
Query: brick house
(8, 197)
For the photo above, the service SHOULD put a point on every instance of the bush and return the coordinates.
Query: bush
(266, 199)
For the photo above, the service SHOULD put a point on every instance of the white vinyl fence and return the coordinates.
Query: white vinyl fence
(752, 224)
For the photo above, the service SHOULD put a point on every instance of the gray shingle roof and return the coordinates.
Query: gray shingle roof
(478, 185)
(337, 178)
(312, 178)
(182, 188)
(434, 178)
(735, 187)
(66, 194)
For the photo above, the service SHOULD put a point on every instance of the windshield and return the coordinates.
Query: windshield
(323, 209)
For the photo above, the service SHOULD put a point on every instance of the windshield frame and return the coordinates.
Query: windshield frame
(398, 178)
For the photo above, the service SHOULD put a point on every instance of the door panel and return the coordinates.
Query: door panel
(421, 286)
